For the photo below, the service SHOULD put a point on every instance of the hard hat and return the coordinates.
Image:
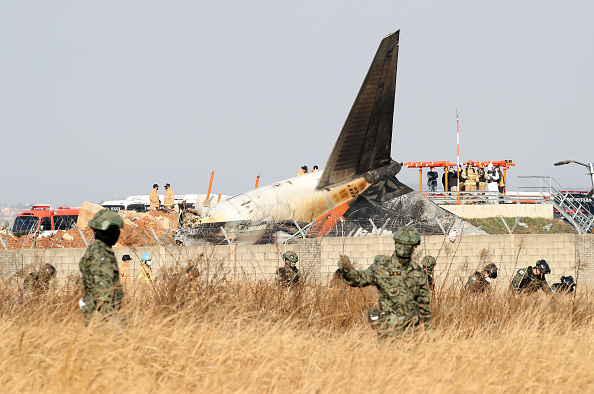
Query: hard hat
(291, 257)
(105, 218)
(428, 261)
(543, 267)
(407, 235)
(145, 257)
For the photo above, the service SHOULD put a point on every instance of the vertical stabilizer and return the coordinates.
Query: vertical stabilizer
(365, 140)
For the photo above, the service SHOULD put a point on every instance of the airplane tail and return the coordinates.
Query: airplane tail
(365, 141)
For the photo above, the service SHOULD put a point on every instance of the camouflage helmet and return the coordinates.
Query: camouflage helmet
(291, 257)
(105, 218)
(50, 270)
(407, 235)
(428, 261)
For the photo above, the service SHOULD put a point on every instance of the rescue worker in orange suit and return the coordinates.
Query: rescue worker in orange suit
(481, 184)
(302, 171)
(169, 197)
(154, 197)
(124, 268)
(470, 178)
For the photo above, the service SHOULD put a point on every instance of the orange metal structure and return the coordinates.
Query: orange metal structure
(504, 164)
(209, 185)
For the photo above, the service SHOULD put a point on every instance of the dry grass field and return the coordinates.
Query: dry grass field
(247, 336)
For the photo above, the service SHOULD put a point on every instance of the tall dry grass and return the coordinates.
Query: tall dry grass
(224, 335)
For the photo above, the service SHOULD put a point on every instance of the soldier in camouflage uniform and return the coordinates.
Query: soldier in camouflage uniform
(191, 274)
(288, 275)
(428, 264)
(481, 282)
(567, 285)
(39, 282)
(404, 294)
(99, 268)
(530, 280)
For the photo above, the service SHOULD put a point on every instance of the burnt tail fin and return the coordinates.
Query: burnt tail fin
(364, 143)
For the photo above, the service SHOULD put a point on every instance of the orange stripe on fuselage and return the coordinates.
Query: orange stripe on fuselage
(329, 219)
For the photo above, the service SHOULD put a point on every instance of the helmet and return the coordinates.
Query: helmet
(291, 257)
(491, 270)
(543, 267)
(428, 261)
(192, 272)
(105, 218)
(50, 270)
(567, 280)
(145, 257)
(407, 235)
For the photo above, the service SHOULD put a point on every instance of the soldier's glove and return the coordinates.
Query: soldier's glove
(344, 264)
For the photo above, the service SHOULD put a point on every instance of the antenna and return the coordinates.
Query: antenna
(458, 154)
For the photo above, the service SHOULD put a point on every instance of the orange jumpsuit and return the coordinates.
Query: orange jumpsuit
(154, 198)
(169, 198)
(124, 268)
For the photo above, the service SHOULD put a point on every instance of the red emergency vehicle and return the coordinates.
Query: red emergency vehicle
(44, 218)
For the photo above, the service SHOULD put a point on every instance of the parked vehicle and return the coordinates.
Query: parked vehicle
(43, 219)
(126, 205)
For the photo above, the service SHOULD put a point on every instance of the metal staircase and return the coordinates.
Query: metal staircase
(570, 208)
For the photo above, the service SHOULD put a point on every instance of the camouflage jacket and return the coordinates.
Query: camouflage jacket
(287, 276)
(30, 282)
(562, 288)
(101, 279)
(37, 283)
(477, 283)
(404, 294)
(526, 282)
(429, 274)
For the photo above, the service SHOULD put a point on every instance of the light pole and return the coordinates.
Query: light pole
(590, 168)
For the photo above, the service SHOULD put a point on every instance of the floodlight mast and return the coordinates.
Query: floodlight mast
(589, 166)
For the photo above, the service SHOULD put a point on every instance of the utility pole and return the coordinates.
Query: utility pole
(458, 155)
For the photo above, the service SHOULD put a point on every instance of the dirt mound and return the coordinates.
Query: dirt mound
(138, 231)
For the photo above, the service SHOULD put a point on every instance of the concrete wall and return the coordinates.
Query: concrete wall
(506, 210)
(318, 257)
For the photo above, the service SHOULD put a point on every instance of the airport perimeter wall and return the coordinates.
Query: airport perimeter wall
(565, 253)
(481, 211)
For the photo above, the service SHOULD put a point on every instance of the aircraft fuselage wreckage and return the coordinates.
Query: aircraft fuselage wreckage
(355, 194)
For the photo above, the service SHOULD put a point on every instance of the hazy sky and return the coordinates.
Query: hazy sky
(99, 100)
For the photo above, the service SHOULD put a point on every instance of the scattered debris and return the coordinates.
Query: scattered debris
(453, 234)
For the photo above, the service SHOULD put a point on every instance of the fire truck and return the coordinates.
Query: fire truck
(42, 219)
